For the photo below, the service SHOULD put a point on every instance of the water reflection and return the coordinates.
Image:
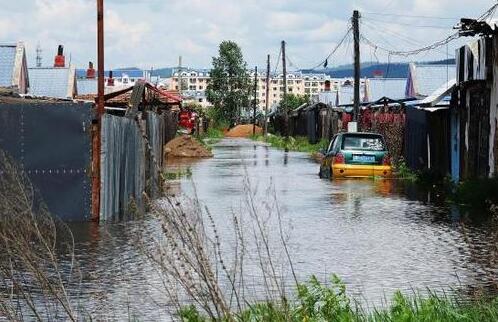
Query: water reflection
(378, 235)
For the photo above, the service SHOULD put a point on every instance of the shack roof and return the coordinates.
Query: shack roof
(14, 67)
(57, 82)
(132, 73)
(7, 63)
(386, 87)
(424, 79)
(87, 86)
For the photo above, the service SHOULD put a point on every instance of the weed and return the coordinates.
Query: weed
(181, 173)
(298, 144)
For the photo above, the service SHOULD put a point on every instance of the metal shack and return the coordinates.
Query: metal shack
(53, 141)
(477, 101)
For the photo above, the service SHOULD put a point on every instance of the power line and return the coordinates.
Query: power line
(278, 61)
(410, 16)
(490, 12)
(334, 50)
(395, 34)
(406, 24)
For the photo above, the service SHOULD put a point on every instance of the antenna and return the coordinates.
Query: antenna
(38, 56)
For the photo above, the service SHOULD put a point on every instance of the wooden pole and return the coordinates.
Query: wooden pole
(97, 127)
(267, 94)
(356, 36)
(282, 104)
(255, 100)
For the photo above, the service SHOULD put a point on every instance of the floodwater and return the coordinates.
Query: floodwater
(377, 235)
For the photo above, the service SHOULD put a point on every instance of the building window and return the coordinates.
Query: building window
(201, 88)
(274, 95)
(307, 90)
(176, 87)
(200, 100)
(307, 84)
(290, 82)
(314, 84)
(274, 88)
(290, 89)
(191, 87)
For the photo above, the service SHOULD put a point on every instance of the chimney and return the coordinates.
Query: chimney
(60, 60)
(327, 86)
(90, 72)
(110, 80)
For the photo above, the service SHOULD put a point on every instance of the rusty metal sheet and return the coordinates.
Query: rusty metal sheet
(52, 142)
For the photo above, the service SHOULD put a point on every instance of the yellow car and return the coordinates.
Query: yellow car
(356, 155)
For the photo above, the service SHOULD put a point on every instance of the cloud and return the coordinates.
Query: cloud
(155, 32)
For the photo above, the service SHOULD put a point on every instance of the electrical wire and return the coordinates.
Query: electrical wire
(408, 16)
(395, 34)
(278, 61)
(490, 12)
(406, 24)
(334, 50)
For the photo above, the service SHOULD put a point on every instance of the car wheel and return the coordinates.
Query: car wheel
(325, 172)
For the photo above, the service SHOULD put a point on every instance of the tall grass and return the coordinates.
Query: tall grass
(316, 301)
(38, 269)
(297, 144)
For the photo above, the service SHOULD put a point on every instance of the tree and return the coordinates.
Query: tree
(291, 101)
(229, 87)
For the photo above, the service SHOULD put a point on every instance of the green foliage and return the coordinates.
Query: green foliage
(170, 175)
(298, 144)
(402, 171)
(190, 314)
(482, 193)
(193, 106)
(317, 302)
(229, 87)
(292, 101)
(216, 118)
(212, 136)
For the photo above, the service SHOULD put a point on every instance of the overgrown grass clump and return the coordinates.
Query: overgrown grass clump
(297, 144)
(175, 175)
(477, 193)
(212, 136)
(318, 302)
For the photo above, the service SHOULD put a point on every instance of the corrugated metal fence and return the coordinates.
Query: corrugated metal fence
(122, 167)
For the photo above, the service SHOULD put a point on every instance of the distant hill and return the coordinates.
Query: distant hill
(163, 72)
(371, 69)
(368, 69)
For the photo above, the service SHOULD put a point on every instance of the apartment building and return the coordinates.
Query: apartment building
(298, 83)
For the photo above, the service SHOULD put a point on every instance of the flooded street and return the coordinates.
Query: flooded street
(378, 236)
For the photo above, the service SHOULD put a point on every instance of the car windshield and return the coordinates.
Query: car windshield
(367, 142)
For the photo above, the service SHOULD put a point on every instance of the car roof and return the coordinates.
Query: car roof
(361, 134)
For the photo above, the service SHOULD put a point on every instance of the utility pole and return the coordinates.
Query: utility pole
(282, 104)
(38, 56)
(97, 126)
(267, 94)
(100, 57)
(357, 66)
(255, 100)
(180, 82)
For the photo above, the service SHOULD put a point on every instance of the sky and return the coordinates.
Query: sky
(154, 33)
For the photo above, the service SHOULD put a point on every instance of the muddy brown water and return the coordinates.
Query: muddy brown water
(377, 235)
